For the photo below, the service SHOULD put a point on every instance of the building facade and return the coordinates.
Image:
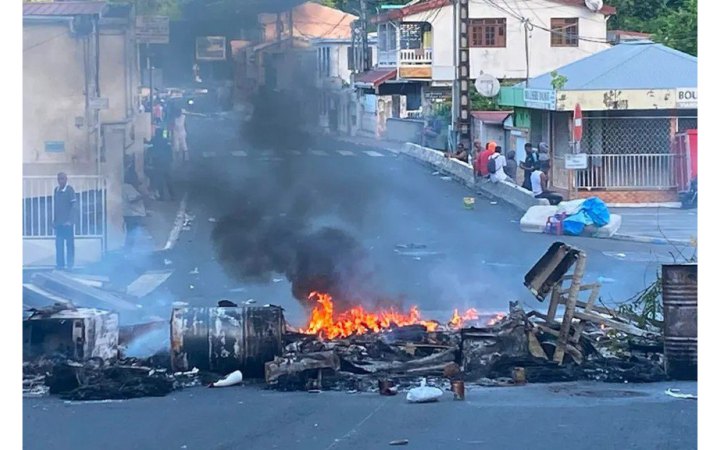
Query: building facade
(80, 103)
(510, 40)
(630, 118)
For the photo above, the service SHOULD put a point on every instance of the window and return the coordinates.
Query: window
(564, 32)
(350, 58)
(487, 32)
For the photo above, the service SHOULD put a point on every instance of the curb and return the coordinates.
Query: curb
(179, 220)
(649, 240)
(379, 145)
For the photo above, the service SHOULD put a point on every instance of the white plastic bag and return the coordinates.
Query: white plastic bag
(232, 379)
(424, 394)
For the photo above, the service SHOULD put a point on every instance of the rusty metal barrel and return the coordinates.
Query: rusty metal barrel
(679, 292)
(225, 339)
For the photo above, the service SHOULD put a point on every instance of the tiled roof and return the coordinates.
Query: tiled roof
(429, 5)
(63, 8)
(376, 76)
(496, 117)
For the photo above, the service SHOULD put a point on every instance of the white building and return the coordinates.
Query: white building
(335, 64)
(80, 103)
(511, 40)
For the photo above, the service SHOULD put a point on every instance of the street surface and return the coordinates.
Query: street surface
(469, 258)
(562, 415)
(452, 258)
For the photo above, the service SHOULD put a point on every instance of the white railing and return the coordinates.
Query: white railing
(38, 211)
(406, 57)
(633, 171)
(419, 56)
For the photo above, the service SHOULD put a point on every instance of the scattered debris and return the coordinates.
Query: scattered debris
(446, 178)
(212, 220)
(167, 262)
(230, 380)
(424, 393)
(148, 282)
(493, 203)
(677, 394)
(399, 442)
(195, 271)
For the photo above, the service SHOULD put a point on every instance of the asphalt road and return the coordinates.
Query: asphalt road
(466, 258)
(566, 415)
(462, 258)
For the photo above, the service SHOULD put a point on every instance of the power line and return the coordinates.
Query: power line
(38, 44)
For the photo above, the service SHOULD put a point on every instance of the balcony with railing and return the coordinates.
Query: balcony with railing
(407, 47)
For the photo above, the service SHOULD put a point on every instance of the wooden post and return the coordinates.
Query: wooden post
(562, 340)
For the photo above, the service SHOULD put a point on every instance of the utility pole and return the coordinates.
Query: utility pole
(366, 62)
(462, 69)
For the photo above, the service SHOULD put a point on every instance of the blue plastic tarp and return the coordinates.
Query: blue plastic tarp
(592, 212)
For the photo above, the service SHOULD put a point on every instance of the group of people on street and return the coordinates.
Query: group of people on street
(158, 166)
(492, 163)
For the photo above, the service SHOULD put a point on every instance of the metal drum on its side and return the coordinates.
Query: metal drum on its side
(225, 339)
(679, 293)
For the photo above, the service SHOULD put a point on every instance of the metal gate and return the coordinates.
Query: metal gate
(38, 212)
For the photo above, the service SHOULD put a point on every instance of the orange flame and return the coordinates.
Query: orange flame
(457, 320)
(324, 322)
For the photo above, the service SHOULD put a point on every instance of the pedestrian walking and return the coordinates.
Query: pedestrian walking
(163, 158)
(64, 213)
(179, 137)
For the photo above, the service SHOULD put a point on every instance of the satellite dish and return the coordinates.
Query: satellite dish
(594, 5)
(487, 85)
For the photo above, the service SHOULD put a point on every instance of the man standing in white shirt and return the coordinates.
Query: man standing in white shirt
(497, 166)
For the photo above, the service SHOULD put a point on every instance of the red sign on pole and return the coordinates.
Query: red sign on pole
(577, 123)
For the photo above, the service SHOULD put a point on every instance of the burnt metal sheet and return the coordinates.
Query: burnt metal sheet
(550, 269)
(78, 334)
(224, 339)
(680, 309)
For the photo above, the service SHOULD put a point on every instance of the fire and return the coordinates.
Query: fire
(357, 320)
(457, 320)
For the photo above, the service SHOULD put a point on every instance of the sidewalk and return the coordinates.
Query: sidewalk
(370, 142)
(164, 222)
(657, 225)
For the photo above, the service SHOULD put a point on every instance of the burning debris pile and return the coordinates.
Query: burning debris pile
(359, 350)
(77, 352)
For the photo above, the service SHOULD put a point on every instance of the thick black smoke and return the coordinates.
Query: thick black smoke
(272, 216)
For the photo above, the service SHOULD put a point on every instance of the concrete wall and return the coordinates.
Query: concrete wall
(53, 97)
(54, 100)
(509, 62)
(404, 130)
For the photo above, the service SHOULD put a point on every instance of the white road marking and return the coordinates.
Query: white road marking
(372, 153)
(208, 154)
(346, 152)
(296, 152)
(318, 153)
(239, 153)
(179, 219)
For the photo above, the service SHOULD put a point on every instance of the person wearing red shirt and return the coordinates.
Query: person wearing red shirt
(481, 163)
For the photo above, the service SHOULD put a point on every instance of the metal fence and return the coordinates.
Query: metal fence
(38, 210)
(641, 171)
(623, 153)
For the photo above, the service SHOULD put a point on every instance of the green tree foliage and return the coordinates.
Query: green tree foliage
(678, 29)
(671, 22)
